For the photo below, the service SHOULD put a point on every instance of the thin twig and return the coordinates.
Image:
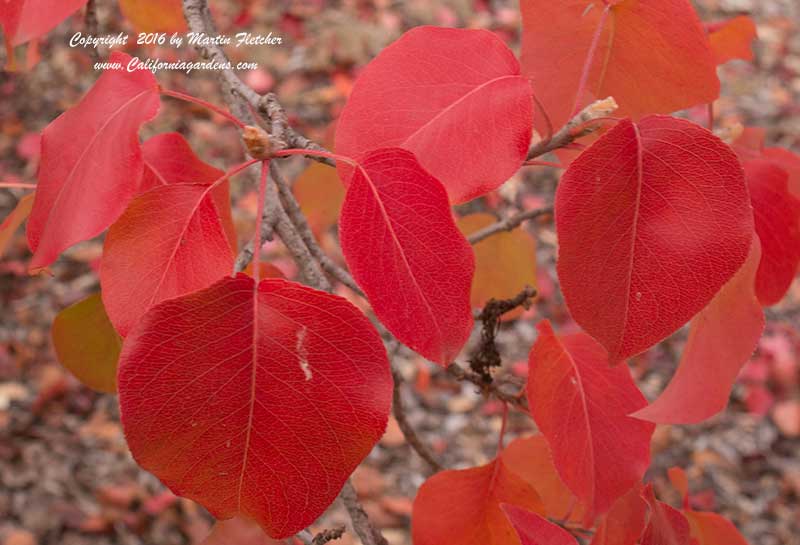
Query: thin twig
(361, 525)
(489, 390)
(508, 224)
(410, 434)
(295, 214)
(575, 128)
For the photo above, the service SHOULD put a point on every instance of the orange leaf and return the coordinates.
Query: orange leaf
(87, 344)
(732, 39)
(713, 529)
(463, 506)
(320, 194)
(667, 526)
(677, 476)
(722, 337)
(504, 263)
(14, 220)
(655, 45)
(624, 523)
(530, 459)
(154, 15)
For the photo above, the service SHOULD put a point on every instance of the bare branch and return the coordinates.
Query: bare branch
(489, 390)
(508, 224)
(575, 127)
(410, 434)
(363, 527)
(295, 214)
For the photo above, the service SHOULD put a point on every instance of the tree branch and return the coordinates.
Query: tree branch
(410, 434)
(508, 224)
(575, 128)
(363, 527)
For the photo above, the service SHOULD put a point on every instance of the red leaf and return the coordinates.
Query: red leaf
(463, 506)
(91, 162)
(258, 382)
(624, 523)
(12, 222)
(24, 20)
(405, 251)
(680, 482)
(581, 404)
(713, 529)
(532, 529)
(788, 161)
(732, 39)
(722, 337)
(655, 45)
(653, 219)
(169, 159)
(454, 97)
(169, 242)
(777, 222)
(667, 526)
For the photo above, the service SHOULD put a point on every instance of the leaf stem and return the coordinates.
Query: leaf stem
(315, 153)
(262, 195)
(503, 427)
(216, 109)
(542, 164)
(19, 185)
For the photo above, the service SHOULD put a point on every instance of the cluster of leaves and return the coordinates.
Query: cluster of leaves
(258, 398)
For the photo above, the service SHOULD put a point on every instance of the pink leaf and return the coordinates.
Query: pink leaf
(453, 97)
(91, 162)
(533, 529)
(581, 404)
(254, 400)
(722, 337)
(405, 251)
(653, 219)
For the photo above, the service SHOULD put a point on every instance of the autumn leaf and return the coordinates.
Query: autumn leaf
(472, 498)
(405, 251)
(12, 222)
(625, 522)
(24, 20)
(532, 529)
(666, 525)
(580, 405)
(169, 159)
(91, 162)
(652, 220)
(777, 223)
(652, 56)
(228, 395)
(87, 345)
(504, 263)
(722, 338)
(732, 39)
(154, 15)
(530, 459)
(713, 529)
(320, 196)
(453, 97)
(169, 242)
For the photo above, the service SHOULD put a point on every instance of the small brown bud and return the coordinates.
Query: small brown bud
(257, 142)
